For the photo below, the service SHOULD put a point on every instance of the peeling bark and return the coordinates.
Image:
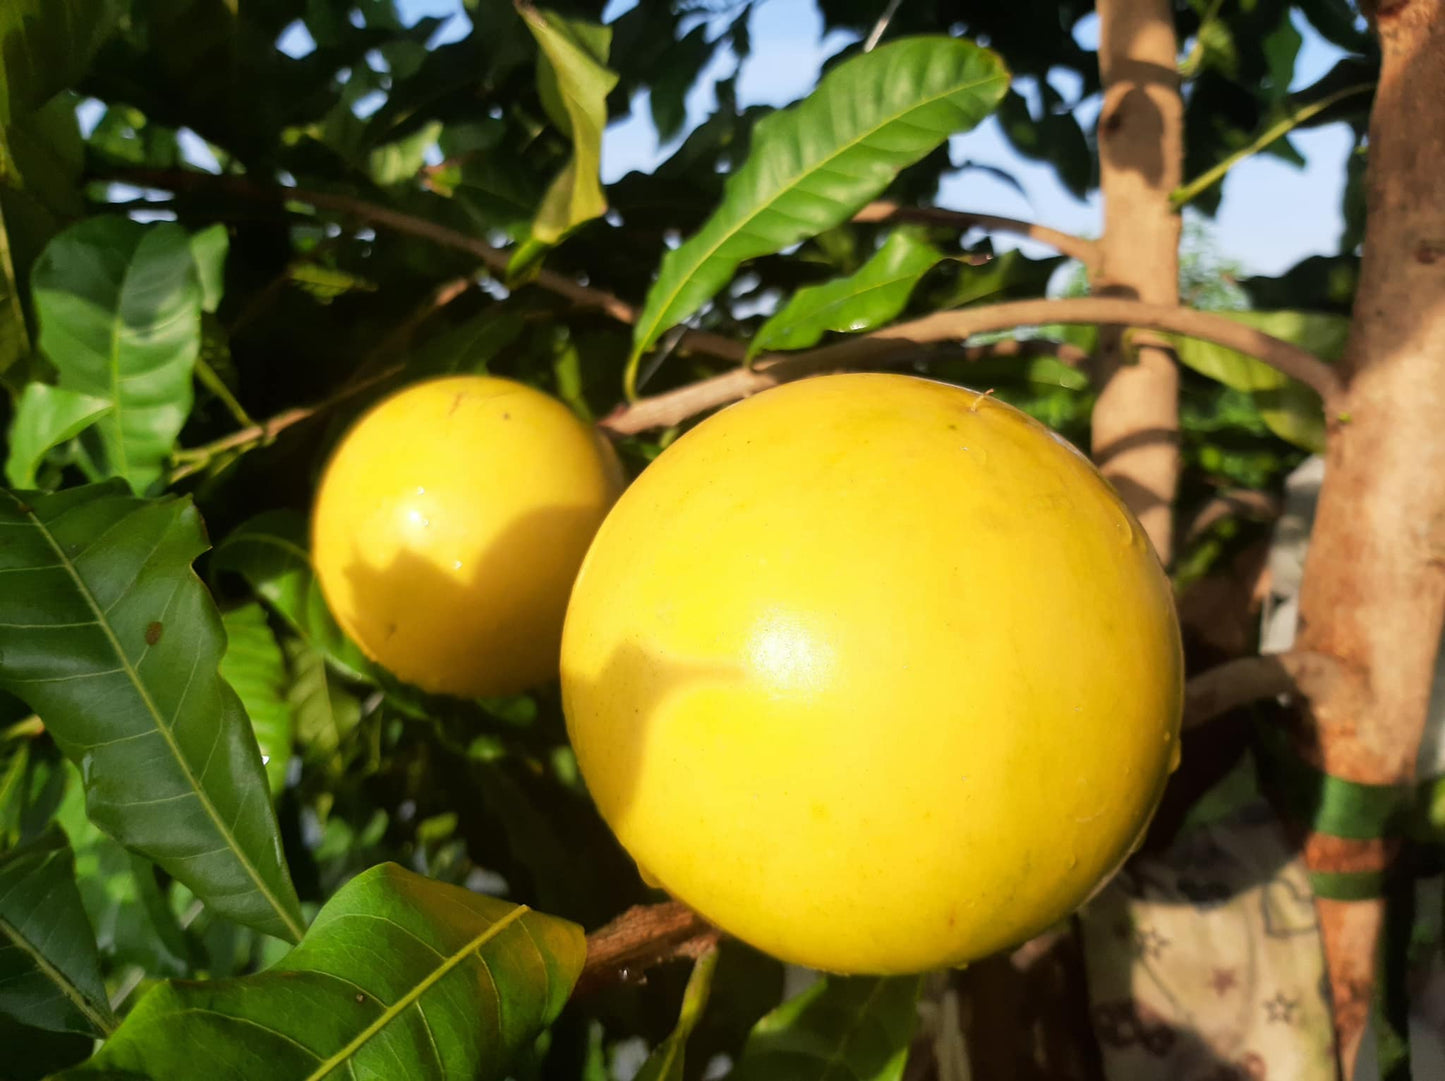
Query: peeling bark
(1373, 594)
(1141, 141)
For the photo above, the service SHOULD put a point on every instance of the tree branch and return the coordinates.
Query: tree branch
(1204, 181)
(897, 344)
(1075, 247)
(1315, 677)
(1232, 503)
(584, 296)
(194, 459)
(643, 936)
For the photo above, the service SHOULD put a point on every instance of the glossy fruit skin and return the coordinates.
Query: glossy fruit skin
(876, 673)
(448, 528)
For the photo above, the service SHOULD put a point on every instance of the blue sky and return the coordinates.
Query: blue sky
(1273, 214)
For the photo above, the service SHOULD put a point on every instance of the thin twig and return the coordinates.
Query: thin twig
(898, 343)
(640, 938)
(1296, 674)
(881, 25)
(1076, 247)
(1278, 130)
(212, 381)
(1233, 503)
(583, 296)
(195, 459)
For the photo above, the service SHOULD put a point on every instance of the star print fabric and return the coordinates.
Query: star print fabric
(1204, 962)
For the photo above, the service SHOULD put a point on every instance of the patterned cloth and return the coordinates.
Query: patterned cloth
(1204, 962)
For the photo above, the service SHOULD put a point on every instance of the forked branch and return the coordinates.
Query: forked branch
(1322, 680)
(1076, 247)
(643, 936)
(895, 344)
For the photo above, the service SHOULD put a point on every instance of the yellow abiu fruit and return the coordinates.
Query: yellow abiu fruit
(876, 673)
(449, 526)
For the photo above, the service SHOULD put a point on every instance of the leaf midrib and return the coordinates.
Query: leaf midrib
(102, 1022)
(793, 181)
(392, 1012)
(291, 925)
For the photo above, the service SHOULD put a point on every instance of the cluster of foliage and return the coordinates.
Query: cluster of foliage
(234, 234)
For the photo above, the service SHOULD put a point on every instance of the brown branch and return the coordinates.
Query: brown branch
(1234, 503)
(897, 344)
(1373, 591)
(1298, 674)
(643, 936)
(194, 459)
(1076, 247)
(494, 259)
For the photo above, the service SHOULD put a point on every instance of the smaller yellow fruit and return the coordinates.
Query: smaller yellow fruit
(449, 526)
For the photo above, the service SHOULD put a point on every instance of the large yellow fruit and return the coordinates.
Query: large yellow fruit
(874, 672)
(449, 526)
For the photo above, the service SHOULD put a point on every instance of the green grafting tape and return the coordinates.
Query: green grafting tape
(1332, 805)
(1348, 885)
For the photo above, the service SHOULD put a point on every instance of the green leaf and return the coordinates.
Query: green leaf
(111, 638)
(34, 1053)
(857, 1028)
(668, 1059)
(675, 74)
(119, 305)
(1290, 409)
(114, 892)
(813, 166)
(324, 713)
(256, 668)
(872, 296)
(44, 418)
(399, 977)
(399, 161)
(1053, 137)
(45, 46)
(49, 968)
(270, 552)
(573, 80)
(209, 248)
(14, 334)
(14, 770)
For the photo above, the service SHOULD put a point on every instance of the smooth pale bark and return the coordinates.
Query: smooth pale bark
(1141, 152)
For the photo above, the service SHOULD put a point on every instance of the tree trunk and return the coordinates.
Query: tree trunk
(1374, 586)
(1136, 420)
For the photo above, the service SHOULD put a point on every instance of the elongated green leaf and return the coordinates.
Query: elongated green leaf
(44, 418)
(111, 638)
(399, 977)
(49, 968)
(856, 1028)
(1290, 409)
(324, 713)
(668, 1059)
(14, 334)
(270, 552)
(45, 46)
(114, 893)
(814, 165)
(34, 1053)
(573, 80)
(256, 668)
(861, 301)
(14, 768)
(209, 248)
(119, 305)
